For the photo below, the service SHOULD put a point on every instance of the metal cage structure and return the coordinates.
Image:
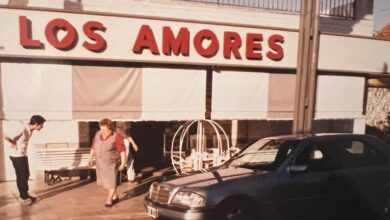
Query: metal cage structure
(199, 156)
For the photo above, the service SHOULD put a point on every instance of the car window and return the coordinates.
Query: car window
(355, 147)
(360, 154)
(317, 158)
(256, 146)
(265, 154)
(332, 155)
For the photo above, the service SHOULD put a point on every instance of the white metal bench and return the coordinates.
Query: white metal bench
(63, 162)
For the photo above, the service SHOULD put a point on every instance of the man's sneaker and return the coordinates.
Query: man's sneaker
(26, 202)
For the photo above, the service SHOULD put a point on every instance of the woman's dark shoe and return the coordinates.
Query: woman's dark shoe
(115, 201)
(108, 205)
(33, 199)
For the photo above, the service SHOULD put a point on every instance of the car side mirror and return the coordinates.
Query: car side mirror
(294, 169)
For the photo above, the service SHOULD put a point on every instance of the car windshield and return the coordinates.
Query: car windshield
(265, 154)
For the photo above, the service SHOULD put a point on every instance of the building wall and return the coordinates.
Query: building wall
(362, 25)
(176, 9)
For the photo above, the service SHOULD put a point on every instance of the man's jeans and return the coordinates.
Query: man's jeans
(22, 175)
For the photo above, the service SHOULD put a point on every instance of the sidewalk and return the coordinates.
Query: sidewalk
(74, 199)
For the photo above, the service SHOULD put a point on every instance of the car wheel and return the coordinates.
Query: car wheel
(237, 210)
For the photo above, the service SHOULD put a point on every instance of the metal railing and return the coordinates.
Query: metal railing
(336, 8)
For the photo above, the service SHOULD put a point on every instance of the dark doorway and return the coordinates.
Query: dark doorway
(149, 137)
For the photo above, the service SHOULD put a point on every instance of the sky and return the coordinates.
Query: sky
(381, 14)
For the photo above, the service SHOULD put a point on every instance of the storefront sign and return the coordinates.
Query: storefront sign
(57, 35)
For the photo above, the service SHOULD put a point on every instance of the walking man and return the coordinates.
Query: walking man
(17, 137)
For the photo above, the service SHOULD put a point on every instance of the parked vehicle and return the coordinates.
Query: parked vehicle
(322, 176)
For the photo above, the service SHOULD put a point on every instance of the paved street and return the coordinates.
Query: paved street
(73, 199)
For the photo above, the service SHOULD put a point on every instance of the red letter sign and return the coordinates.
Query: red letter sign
(145, 40)
(212, 49)
(177, 45)
(253, 45)
(232, 42)
(89, 30)
(70, 38)
(273, 44)
(25, 34)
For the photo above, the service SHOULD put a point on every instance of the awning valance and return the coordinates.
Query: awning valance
(106, 92)
(339, 97)
(239, 95)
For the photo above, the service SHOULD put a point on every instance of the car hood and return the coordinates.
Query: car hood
(213, 177)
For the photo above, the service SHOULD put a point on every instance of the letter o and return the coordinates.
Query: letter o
(70, 39)
(212, 49)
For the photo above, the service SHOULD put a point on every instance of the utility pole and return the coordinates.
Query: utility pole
(306, 76)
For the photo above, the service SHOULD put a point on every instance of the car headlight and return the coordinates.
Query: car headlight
(188, 199)
(151, 190)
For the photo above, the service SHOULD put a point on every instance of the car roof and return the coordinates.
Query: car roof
(312, 135)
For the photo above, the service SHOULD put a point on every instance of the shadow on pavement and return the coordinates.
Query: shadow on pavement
(6, 199)
(140, 189)
(151, 177)
(143, 187)
(47, 193)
